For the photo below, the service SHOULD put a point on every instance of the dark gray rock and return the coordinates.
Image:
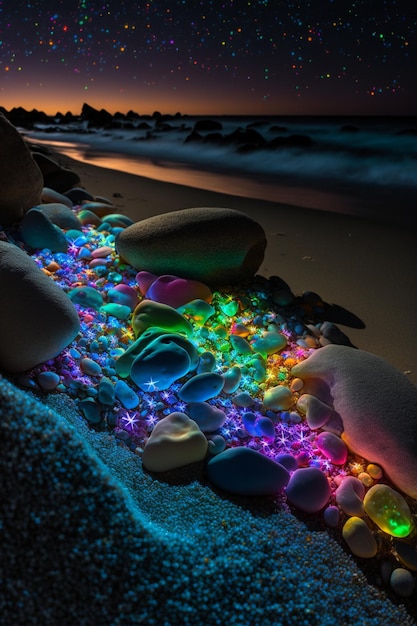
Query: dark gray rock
(21, 180)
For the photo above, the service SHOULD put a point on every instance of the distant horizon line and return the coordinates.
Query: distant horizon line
(179, 114)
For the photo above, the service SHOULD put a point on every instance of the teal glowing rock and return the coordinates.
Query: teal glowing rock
(126, 395)
(270, 343)
(232, 378)
(106, 392)
(201, 387)
(209, 418)
(240, 345)
(119, 311)
(87, 297)
(198, 310)
(159, 365)
(39, 232)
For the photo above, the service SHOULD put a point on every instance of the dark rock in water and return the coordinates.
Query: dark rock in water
(278, 129)
(19, 116)
(56, 177)
(292, 141)
(39, 232)
(37, 319)
(216, 246)
(194, 137)
(245, 136)
(94, 117)
(215, 138)
(207, 125)
(21, 180)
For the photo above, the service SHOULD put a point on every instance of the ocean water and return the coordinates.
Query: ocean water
(370, 161)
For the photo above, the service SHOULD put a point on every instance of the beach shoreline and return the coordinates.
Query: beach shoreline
(362, 266)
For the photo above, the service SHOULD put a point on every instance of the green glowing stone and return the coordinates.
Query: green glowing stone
(388, 509)
(230, 308)
(149, 313)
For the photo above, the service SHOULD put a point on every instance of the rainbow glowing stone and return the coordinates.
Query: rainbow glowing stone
(388, 509)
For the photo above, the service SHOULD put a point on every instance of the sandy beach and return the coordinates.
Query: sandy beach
(93, 537)
(362, 266)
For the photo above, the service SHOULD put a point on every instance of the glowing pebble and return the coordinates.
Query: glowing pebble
(209, 418)
(159, 365)
(243, 399)
(119, 311)
(106, 394)
(201, 387)
(388, 509)
(278, 398)
(48, 380)
(359, 538)
(333, 447)
(149, 313)
(90, 367)
(86, 297)
(374, 471)
(126, 395)
(229, 308)
(199, 310)
(145, 280)
(241, 345)
(103, 251)
(232, 378)
(206, 362)
(123, 294)
(331, 516)
(308, 489)
(176, 291)
(175, 441)
(264, 427)
(270, 343)
(349, 496)
(243, 471)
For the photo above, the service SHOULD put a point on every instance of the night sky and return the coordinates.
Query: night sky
(210, 56)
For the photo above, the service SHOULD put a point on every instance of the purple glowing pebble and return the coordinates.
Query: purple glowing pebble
(308, 489)
(177, 292)
(245, 472)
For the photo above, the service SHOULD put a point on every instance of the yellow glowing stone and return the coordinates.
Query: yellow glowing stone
(388, 509)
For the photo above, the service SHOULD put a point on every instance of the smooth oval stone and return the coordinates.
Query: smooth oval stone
(245, 472)
(118, 220)
(106, 392)
(21, 179)
(243, 399)
(120, 311)
(91, 410)
(101, 209)
(48, 381)
(269, 343)
(333, 447)
(402, 582)
(89, 218)
(175, 441)
(37, 319)
(216, 444)
(145, 280)
(102, 251)
(308, 489)
(212, 245)
(359, 538)
(60, 214)
(229, 308)
(90, 367)
(241, 345)
(264, 427)
(201, 387)
(123, 294)
(126, 395)
(331, 516)
(206, 362)
(77, 195)
(278, 398)
(39, 232)
(349, 496)
(209, 418)
(317, 412)
(149, 313)
(388, 509)
(198, 310)
(50, 196)
(87, 297)
(248, 421)
(232, 378)
(176, 291)
(287, 460)
(158, 366)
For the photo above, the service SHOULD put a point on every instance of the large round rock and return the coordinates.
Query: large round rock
(37, 318)
(213, 245)
(21, 180)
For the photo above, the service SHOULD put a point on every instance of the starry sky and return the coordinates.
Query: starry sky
(211, 56)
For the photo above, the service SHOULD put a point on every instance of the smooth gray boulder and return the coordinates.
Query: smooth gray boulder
(213, 245)
(37, 318)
